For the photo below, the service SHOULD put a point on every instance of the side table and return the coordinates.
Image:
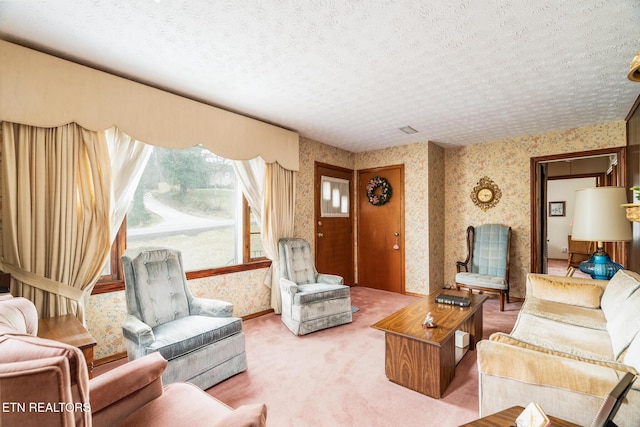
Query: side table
(69, 330)
(507, 418)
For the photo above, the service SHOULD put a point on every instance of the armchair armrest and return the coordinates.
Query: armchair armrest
(288, 286)
(211, 307)
(137, 331)
(462, 266)
(122, 390)
(330, 279)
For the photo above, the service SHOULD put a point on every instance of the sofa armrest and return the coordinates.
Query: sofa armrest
(567, 290)
(288, 287)
(124, 389)
(548, 368)
(330, 278)
(211, 307)
(137, 331)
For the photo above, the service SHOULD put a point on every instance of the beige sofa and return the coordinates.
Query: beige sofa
(573, 341)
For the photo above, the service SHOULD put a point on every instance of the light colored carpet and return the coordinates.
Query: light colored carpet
(336, 377)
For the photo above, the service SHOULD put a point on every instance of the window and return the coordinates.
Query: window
(189, 199)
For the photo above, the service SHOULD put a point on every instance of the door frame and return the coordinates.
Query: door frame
(537, 195)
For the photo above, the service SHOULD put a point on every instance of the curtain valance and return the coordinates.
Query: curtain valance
(45, 91)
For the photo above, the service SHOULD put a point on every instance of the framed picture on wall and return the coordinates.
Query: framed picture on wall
(556, 209)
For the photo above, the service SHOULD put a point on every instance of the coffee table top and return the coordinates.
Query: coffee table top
(448, 318)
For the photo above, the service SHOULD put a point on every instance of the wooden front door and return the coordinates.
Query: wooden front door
(334, 221)
(381, 232)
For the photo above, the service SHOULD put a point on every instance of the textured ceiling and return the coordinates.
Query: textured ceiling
(351, 73)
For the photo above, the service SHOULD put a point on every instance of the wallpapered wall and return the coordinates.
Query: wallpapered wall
(506, 162)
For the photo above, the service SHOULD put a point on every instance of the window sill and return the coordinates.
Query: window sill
(118, 285)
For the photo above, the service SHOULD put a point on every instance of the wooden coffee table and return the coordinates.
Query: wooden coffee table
(421, 359)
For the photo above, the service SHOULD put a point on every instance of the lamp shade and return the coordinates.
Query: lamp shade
(599, 217)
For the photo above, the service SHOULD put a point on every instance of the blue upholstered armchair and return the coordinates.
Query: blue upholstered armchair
(199, 338)
(310, 301)
(486, 268)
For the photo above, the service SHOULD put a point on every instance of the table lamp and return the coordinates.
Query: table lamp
(599, 217)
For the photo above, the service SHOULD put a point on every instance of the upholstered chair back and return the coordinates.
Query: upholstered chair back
(35, 372)
(296, 261)
(490, 247)
(156, 285)
(18, 315)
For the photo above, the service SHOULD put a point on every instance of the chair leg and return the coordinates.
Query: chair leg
(502, 301)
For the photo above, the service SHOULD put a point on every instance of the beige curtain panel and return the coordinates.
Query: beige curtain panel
(277, 222)
(55, 216)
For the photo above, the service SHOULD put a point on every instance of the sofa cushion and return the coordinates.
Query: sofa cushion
(184, 335)
(562, 337)
(580, 294)
(625, 325)
(565, 313)
(619, 288)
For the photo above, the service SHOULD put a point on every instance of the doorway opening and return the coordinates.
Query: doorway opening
(607, 167)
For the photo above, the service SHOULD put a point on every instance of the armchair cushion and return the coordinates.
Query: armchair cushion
(483, 280)
(318, 292)
(184, 335)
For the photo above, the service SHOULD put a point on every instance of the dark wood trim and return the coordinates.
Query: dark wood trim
(636, 105)
(105, 287)
(598, 176)
(112, 358)
(258, 314)
(621, 153)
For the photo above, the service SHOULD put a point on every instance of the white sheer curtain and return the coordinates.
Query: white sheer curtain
(277, 221)
(250, 174)
(55, 216)
(128, 160)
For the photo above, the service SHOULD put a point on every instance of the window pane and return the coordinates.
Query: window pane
(334, 200)
(186, 200)
(255, 239)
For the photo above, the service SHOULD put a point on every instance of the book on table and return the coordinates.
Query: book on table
(453, 300)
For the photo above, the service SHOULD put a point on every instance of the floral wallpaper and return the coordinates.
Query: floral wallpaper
(506, 162)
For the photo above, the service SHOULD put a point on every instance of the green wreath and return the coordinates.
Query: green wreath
(385, 191)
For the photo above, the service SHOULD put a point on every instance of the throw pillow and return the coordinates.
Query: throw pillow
(625, 325)
(619, 288)
(566, 291)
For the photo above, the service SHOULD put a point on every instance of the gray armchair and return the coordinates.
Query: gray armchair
(199, 338)
(310, 301)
